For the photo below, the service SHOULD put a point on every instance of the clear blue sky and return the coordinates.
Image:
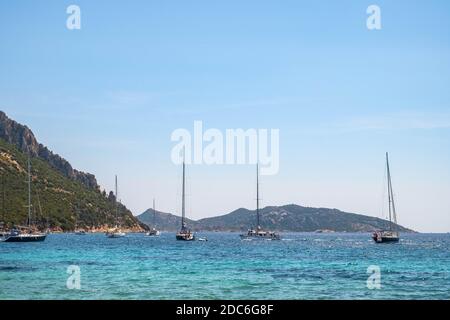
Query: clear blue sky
(108, 96)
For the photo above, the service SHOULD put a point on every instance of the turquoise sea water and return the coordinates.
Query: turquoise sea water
(302, 266)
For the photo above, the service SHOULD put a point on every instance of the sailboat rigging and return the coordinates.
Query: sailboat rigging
(390, 235)
(258, 232)
(26, 234)
(153, 231)
(2, 221)
(184, 234)
(78, 231)
(116, 232)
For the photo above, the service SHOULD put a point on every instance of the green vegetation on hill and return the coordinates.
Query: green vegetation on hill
(65, 203)
(290, 218)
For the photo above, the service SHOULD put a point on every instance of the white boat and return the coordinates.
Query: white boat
(116, 232)
(153, 231)
(258, 233)
(78, 231)
(390, 235)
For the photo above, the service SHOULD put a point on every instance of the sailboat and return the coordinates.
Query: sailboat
(153, 231)
(184, 234)
(116, 232)
(26, 234)
(390, 235)
(259, 233)
(3, 231)
(78, 231)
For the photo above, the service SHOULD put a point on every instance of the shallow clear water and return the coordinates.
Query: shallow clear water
(302, 266)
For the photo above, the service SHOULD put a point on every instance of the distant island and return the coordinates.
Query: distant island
(63, 198)
(288, 218)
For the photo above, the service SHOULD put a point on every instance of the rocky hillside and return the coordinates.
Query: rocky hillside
(290, 218)
(62, 197)
(23, 138)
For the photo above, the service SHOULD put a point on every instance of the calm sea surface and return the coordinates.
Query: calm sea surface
(302, 266)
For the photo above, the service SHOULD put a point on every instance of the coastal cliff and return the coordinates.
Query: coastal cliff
(63, 198)
(23, 139)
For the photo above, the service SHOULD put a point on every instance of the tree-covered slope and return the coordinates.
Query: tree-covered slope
(58, 201)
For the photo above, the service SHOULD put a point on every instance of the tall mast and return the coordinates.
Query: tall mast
(29, 192)
(3, 201)
(394, 213)
(117, 210)
(391, 195)
(183, 224)
(257, 197)
(391, 200)
(154, 214)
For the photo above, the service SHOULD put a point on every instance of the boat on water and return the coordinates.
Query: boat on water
(153, 232)
(116, 232)
(28, 233)
(24, 234)
(391, 234)
(79, 231)
(185, 234)
(259, 233)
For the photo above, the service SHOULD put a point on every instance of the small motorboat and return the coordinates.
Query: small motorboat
(203, 239)
(153, 233)
(117, 233)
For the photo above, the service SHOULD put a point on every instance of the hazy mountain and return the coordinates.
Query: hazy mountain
(284, 218)
(64, 195)
(164, 221)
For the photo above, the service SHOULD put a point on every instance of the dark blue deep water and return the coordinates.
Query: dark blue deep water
(302, 266)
